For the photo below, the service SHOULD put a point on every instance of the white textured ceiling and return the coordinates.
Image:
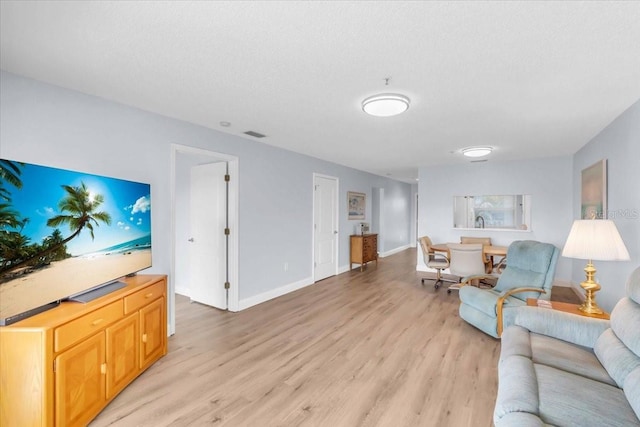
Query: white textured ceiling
(532, 79)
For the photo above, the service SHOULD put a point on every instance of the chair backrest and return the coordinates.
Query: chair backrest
(530, 264)
(465, 259)
(425, 244)
(483, 240)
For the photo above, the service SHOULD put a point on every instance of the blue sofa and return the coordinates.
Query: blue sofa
(562, 369)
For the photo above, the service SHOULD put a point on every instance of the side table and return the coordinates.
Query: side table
(567, 308)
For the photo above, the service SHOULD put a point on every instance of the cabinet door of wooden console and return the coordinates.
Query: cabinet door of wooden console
(153, 332)
(80, 380)
(123, 348)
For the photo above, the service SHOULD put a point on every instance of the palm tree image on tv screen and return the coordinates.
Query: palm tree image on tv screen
(62, 232)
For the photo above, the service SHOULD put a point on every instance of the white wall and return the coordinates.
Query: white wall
(52, 126)
(547, 180)
(619, 143)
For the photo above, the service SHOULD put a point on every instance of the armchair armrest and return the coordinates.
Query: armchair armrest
(476, 277)
(504, 295)
(433, 256)
(580, 330)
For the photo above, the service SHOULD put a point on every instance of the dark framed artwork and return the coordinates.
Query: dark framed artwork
(593, 203)
(356, 204)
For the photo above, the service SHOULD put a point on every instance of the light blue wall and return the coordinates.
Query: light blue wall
(619, 143)
(48, 125)
(547, 180)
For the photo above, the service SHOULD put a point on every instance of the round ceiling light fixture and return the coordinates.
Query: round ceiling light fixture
(477, 151)
(385, 105)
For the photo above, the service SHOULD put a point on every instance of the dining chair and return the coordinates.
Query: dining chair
(433, 260)
(488, 260)
(465, 260)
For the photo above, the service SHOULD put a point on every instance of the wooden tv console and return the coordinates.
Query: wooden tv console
(63, 366)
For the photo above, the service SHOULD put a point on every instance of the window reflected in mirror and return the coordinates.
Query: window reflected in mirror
(497, 212)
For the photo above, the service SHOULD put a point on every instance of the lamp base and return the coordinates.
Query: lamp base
(590, 287)
(589, 305)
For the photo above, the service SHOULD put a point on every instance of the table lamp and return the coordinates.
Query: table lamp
(594, 239)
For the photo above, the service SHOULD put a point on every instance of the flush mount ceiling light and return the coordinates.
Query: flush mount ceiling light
(477, 151)
(385, 105)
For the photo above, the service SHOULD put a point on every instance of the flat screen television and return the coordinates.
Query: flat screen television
(67, 235)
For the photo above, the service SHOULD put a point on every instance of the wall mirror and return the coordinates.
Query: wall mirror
(500, 212)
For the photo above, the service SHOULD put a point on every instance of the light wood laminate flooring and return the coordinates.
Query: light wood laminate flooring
(372, 348)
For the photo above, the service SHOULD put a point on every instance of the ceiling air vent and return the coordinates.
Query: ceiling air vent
(479, 161)
(254, 134)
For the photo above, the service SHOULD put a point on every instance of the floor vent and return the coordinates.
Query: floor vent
(254, 134)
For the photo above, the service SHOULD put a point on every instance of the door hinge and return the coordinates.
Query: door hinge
(227, 231)
(227, 178)
(227, 285)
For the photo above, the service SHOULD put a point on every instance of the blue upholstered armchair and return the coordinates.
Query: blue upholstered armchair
(529, 274)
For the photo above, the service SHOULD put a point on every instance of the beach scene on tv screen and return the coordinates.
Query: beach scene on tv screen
(62, 232)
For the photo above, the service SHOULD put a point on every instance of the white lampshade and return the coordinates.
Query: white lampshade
(385, 105)
(595, 239)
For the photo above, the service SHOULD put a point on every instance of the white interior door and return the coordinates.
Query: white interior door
(325, 227)
(208, 254)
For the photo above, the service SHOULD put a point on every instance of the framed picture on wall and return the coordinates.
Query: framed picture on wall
(594, 191)
(356, 204)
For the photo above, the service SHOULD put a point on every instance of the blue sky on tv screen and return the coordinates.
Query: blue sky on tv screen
(128, 203)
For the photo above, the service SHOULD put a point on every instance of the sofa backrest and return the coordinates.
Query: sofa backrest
(618, 348)
(529, 264)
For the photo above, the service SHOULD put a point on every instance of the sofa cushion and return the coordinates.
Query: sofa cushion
(617, 359)
(548, 351)
(625, 319)
(484, 300)
(520, 419)
(569, 399)
(632, 390)
(568, 357)
(485, 323)
(633, 286)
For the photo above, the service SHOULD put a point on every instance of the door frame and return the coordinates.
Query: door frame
(233, 205)
(313, 222)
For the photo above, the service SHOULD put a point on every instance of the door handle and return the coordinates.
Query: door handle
(191, 240)
(335, 232)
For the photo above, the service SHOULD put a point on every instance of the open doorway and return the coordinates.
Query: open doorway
(184, 161)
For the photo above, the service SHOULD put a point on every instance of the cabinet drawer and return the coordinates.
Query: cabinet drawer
(84, 326)
(143, 297)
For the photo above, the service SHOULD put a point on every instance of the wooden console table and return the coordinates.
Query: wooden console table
(63, 366)
(364, 249)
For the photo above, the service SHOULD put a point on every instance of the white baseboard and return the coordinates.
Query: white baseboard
(393, 251)
(183, 291)
(562, 283)
(274, 293)
(344, 269)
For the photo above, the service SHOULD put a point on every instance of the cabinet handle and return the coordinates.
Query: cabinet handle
(144, 337)
(149, 295)
(103, 368)
(97, 322)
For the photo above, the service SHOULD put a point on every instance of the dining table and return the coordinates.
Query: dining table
(487, 251)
